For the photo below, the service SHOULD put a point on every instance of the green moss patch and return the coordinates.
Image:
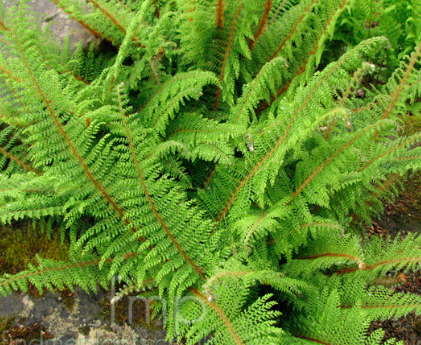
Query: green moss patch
(20, 243)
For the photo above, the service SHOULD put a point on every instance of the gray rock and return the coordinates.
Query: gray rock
(59, 22)
(65, 325)
(12, 304)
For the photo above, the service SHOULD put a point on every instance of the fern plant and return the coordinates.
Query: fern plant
(398, 21)
(209, 162)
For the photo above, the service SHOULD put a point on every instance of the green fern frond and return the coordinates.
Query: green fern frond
(216, 160)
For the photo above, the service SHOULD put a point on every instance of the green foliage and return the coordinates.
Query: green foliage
(211, 159)
(399, 21)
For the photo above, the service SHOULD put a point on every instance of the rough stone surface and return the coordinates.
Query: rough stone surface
(66, 325)
(59, 22)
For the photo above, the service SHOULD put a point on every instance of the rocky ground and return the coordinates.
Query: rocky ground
(59, 22)
(25, 318)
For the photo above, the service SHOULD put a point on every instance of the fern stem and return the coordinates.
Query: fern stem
(334, 255)
(280, 7)
(262, 24)
(327, 161)
(418, 136)
(108, 15)
(3, 26)
(52, 269)
(303, 67)
(155, 211)
(393, 261)
(326, 225)
(10, 75)
(279, 142)
(220, 9)
(115, 22)
(382, 263)
(221, 314)
(227, 51)
(387, 281)
(395, 96)
(157, 14)
(294, 28)
(406, 158)
(18, 161)
(125, 6)
(91, 30)
(210, 176)
(66, 138)
(78, 78)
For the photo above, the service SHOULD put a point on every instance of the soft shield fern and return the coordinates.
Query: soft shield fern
(210, 160)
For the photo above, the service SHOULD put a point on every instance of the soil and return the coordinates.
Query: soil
(400, 218)
(404, 214)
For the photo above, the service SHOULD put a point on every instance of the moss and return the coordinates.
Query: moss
(84, 330)
(122, 313)
(16, 332)
(29, 334)
(412, 118)
(20, 243)
(417, 326)
(68, 299)
(6, 323)
(108, 328)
